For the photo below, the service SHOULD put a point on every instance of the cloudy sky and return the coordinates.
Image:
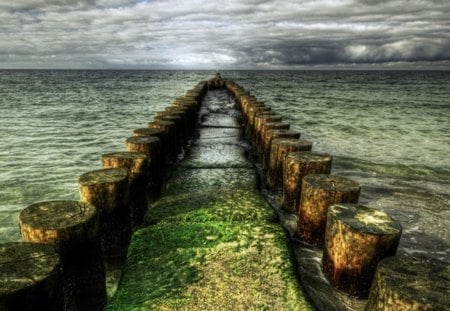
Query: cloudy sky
(248, 34)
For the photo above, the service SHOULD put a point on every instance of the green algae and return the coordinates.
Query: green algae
(204, 266)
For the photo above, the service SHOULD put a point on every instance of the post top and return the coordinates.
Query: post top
(57, 214)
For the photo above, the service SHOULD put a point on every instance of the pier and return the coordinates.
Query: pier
(216, 205)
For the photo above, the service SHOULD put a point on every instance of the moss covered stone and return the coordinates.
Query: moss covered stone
(210, 243)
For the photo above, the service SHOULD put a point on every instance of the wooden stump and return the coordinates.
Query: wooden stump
(407, 283)
(151, 146)
(297, 165)
(30, 278)
(318, 193)
(178, 129)
(137, 165)
(278, 150)
(259, 121)
(183, 124)
(161, 134)
(107, 189)
(356, 239)
(268, 126)
(172, 142)
(73, 228)
(269, 136)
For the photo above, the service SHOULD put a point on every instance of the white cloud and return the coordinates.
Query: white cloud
(199, 33)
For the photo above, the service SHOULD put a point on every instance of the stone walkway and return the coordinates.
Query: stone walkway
(211, 242)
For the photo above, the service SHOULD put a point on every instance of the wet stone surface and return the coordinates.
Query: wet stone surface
(210, 242)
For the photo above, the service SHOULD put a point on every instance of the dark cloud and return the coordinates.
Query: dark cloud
(231, 34)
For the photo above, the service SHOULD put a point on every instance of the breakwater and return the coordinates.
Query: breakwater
(104, 184)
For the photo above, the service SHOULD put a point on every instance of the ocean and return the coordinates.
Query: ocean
(387, 130)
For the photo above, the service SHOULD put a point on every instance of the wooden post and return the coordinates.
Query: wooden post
(183, 122)
(137, 165)
(356, 239)
(408, 283)
(318, 193)
(30, 278)
(161, 134)
(172, 140)
(267, 126)
(259, 120)
(107, 189)
(73, 228)
(269, 136)
(297, 165)
(278, 150)
(151, 146)
(178, 128)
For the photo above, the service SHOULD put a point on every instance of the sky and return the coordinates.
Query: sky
(248, 34)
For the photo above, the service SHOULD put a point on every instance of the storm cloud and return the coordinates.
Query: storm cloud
(248, 34)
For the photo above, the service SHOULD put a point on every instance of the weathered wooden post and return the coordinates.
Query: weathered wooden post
(151, 146)
(318, 193)
(107, 189)
(259, 121)
(268, 126)
(356, 239)
(137, 165)
(72, 227)
(278, 150)
(269, 136)
(30, 278)
(161, 134)
(297, 165)
(178, 128)
(408, 283)
(183, 122)
(172, 140)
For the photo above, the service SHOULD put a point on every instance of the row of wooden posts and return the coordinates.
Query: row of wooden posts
(61, 263)
(354, 238)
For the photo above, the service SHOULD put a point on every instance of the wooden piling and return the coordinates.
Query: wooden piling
(72, 227)
(259, 120)
(407, 283)
(172, 140)
(318, 193)
(30, 278)
(137, 165)
(297, 165)
(278, 150)
(356, 239)
(162, 135)
(151, 146)
(266, 145)
(180, 134)
(107, 189)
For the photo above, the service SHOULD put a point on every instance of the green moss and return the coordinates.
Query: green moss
(201, 266)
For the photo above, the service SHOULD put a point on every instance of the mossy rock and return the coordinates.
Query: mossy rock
(209, 266)
(228, 206)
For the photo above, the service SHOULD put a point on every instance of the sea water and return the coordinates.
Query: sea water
(387, 130)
